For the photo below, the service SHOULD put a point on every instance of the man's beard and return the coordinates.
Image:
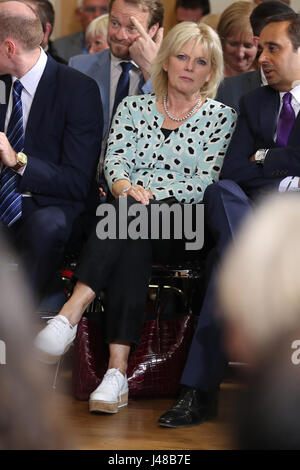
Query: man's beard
(117, 47)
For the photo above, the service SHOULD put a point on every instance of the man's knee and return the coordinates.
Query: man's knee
(48, 226)
(224, 186)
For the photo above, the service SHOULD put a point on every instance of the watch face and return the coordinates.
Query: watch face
(260, 156)
(22, 158)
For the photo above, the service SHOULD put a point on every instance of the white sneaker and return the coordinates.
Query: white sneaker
(111, 394)
(55, 339)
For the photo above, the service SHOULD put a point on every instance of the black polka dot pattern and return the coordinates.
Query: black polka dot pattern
(183, 164)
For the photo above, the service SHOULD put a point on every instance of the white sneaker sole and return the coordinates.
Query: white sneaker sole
(96, 406)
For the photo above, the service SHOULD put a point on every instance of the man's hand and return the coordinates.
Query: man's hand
(7, 153)
(144, 49)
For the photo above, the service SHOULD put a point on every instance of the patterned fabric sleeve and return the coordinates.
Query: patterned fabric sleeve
(181, 165)
(121, 146)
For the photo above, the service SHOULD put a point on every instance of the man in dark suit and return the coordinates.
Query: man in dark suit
(232, 89)
(51, 123)
(263, 156)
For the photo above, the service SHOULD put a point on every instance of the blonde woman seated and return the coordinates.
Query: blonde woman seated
(239, 44)
(96, 34)
(167, 146)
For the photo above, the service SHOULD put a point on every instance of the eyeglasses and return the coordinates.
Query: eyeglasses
(93, 10)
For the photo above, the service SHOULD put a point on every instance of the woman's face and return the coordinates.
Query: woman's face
(97, 43)
(189, 69)
(239, 53)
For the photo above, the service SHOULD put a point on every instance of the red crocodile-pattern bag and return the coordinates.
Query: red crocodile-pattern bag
(155, 365)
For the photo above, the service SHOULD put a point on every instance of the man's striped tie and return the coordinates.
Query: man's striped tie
(10, 197)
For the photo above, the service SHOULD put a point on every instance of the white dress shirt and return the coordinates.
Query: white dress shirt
(115, 72)
(30, 83)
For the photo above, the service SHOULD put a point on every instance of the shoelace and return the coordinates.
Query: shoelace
(53, 323)
(112, 378)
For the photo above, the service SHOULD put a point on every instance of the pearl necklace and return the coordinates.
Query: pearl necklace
(184, 117)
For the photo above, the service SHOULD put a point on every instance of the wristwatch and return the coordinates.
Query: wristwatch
(21, 161)
(260, 156)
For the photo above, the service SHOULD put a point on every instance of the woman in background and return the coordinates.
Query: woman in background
(96, 34)
(239, 44)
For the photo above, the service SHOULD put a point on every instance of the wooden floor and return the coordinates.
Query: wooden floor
(135, 426)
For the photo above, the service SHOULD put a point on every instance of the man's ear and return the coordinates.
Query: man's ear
(255, 40)
(153, 30)
(47, 34)
(10, 48)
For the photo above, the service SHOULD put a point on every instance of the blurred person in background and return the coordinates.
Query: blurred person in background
(96, 34)
(191, 10)
(259, 299)
(75, 43)
(212, 19)
(238, 42)
(28, 418)
(258, 2)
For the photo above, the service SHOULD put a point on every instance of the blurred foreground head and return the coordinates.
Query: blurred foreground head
(259, 298)
(259, 282)
(27, 418)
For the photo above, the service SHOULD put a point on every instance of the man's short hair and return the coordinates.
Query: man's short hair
(293, 30)
(155, 8)
(26, 30)
(193, 4)
(264, 11)
(45, 11)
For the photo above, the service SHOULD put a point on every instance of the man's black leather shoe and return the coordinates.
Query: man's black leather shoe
(192, 407)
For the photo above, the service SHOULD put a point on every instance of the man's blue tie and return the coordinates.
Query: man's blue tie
(123, 85)
(10, 197)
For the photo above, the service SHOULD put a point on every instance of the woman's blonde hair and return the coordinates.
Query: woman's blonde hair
(235, 19)
(171, 45)
(98, 26)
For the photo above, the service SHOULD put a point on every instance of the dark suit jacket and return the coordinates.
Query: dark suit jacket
(70, 45)
(62, 138)
(53, 53)
(231, 89)
(256, 126)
